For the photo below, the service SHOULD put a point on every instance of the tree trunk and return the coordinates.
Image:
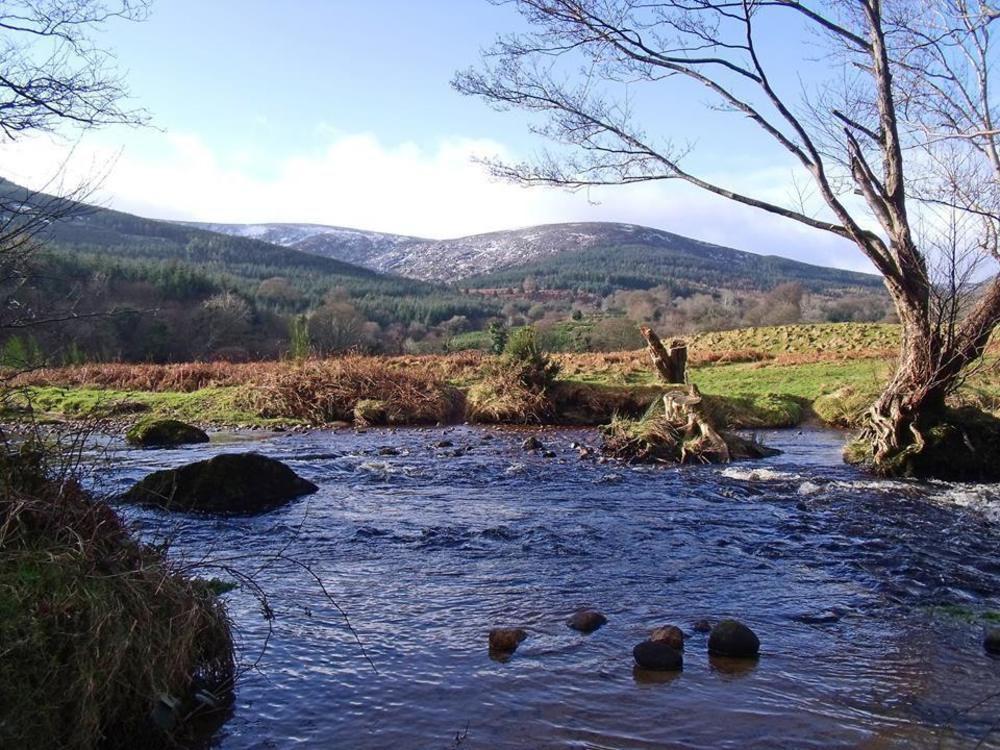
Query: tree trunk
(670, 362)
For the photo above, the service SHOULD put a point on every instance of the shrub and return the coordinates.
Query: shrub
(331, 390)
(522, 354)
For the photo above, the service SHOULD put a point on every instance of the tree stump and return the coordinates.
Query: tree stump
(684, 431)
(670, 362)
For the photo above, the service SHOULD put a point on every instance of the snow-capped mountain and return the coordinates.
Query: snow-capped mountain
(350, 245)
(662, 254)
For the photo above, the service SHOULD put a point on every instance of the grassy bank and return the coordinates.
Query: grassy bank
(763, 377)
(103, 641)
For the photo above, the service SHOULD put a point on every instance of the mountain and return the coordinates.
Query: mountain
(349, 245)
(86, 240)
(596, 256)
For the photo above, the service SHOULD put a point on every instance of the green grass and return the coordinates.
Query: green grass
(806, 381)
(803, 338)
(217, 406)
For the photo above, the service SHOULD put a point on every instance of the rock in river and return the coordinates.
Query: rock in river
(532, 444)
(587, 620)
(733, 638)
(658, 656)
(672, 635)
(164, 433)
(506, 640)
(992, 641)
(228, 483)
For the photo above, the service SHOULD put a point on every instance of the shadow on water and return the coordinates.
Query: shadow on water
(869, 597)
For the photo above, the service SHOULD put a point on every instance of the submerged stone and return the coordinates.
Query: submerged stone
(229, 483)
(587, 620)
(733, 638)
(165, 433)
(702, 626)
(658, 656)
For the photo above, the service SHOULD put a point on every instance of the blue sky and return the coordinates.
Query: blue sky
(341, 112)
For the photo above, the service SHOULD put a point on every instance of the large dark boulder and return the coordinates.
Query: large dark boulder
(733, 638)
(658, 656)
(228, 483)
(164, 433)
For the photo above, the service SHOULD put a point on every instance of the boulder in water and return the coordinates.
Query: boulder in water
(992, 641)
(164, 433)
(228, 483)
(672, 635)
(532, 444)
(702, 626)
(658, 656)
(587, 620)
(733, 638)
(506, 640)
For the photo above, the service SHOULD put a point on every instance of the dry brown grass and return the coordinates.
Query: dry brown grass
(96, 628)
(193, 376)
(323, 391)
(460, 368)
(501, 396)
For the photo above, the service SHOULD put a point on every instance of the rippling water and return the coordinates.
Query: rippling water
(868, 597)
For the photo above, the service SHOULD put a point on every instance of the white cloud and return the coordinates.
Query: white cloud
(358, 181)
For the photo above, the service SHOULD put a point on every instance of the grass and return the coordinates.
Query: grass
(758, 377)
(217, 405)
(101, 636)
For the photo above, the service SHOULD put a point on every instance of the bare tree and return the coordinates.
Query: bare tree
(901, 118)
(53, 75)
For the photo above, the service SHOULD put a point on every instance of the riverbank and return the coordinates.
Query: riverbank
(105, 641)
(753, 379)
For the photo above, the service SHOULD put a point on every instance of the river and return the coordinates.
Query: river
(869, 597)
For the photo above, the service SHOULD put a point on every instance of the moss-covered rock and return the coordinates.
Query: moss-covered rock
(229, 483)
(165, 433)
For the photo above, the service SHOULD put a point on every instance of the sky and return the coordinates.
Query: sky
(341, 112)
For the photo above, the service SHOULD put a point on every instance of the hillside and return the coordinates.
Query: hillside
(349, 245)
(161, 278)
(596, 256)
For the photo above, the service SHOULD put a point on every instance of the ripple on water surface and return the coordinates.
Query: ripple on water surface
(869, 597)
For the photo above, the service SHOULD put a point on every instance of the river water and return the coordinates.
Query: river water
(869, 597)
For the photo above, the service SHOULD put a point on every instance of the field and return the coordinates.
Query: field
(756, 377)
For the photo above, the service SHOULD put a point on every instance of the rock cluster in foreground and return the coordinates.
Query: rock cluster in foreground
(663, 651)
